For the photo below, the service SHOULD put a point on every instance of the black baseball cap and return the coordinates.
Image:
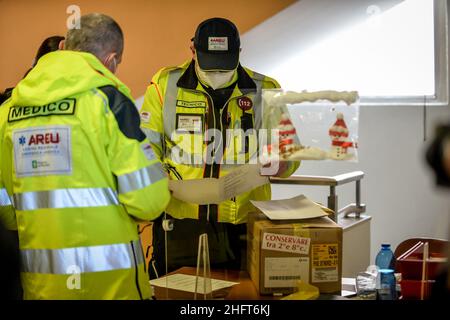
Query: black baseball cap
(217, 44)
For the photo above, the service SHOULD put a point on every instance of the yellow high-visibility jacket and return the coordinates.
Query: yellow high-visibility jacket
(80, 175)
(176, 115)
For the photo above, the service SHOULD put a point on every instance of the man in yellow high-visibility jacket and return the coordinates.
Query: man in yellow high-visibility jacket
(79, 172)
(189, 108)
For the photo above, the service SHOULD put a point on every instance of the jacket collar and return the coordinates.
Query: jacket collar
(189, 80)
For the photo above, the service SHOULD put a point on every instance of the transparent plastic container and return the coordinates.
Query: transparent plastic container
(388, 287)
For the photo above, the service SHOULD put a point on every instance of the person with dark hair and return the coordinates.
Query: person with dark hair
(9, 243)
(83, 175)
(9, 250)
(49, 45)
(5, 95)
(9, 266)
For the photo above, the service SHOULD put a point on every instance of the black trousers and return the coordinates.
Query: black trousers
(10, 285)
(226, 242)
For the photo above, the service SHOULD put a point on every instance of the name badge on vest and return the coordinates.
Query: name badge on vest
(192, 123)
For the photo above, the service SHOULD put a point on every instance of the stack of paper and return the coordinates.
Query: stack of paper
(184, 282)
(295, 208)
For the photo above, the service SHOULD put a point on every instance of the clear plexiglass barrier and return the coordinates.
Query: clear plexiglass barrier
(311, 125)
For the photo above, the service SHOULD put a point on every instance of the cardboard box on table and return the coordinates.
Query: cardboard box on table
(282, 252)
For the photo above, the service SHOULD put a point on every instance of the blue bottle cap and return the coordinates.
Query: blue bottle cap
(385, 245)
(386, 271)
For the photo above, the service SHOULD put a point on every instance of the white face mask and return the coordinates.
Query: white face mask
(214, 79)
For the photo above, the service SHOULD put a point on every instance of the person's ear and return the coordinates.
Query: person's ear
(111, 62)
(61, 45)
(192, 50)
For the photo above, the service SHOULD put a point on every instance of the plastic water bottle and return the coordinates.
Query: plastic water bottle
(385, 258)
(388, 288)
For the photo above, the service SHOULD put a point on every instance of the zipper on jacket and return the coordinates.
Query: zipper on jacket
(223, 142)
(211, 167)
(224, 135)
(205, 175)
(212, 164)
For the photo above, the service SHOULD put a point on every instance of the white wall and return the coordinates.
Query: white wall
(398, 188)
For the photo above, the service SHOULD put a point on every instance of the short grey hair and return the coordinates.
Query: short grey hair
(98, 34)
